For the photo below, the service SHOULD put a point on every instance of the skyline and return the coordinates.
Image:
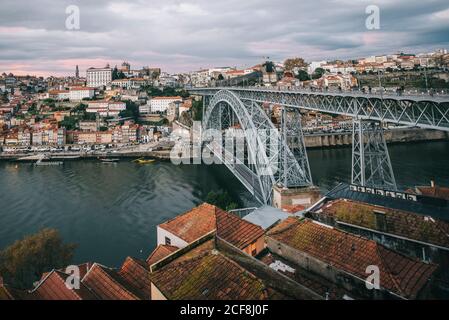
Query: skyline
(181, 36)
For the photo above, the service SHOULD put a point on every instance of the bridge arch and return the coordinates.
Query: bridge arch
(267, 151)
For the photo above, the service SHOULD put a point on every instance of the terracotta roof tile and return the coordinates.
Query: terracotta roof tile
(137, 274)
(108, 285)
(53, 287)
(437, 192)
(402, 223)
(353, 254)
(160, 253)
(207, 276)
(206, 218)
(192, 224)
(236, 231)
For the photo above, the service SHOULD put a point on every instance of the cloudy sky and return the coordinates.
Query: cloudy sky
(183, 35)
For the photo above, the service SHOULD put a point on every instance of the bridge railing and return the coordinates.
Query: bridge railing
(376, 91)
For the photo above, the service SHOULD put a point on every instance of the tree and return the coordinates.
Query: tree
(117, 74)
(319, 72)
(303, 75)
(70, 123)
(24, 261)
(292, 63)
(222, 200)
(132, 111)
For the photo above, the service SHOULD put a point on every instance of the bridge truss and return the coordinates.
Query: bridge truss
(277, 155)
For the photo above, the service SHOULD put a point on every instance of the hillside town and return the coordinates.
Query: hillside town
(115, 107)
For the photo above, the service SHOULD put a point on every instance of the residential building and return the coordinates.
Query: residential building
(205, 219)
(80, 93)
(344, 259)
(161, 104)
(106, 108)
(98, 77)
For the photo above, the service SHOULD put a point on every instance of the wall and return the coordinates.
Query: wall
(156, 294)
(351, 283)
(175, 241)
(391, 136)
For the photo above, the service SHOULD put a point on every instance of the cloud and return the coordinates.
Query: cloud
(182, 35)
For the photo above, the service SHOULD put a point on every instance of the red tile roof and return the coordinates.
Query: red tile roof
(436, 192)
(293, 208)
(160, 253)
(236, 231)
(208, 276)
(108, 285)
(401, 223)
(206, 218)
(193, 224)
(137, 274)
(352, 254)
(53, 287)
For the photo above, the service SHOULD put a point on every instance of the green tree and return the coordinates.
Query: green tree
(303, 75)
(24, 261)
(222, 200)
(70, 123)
(319, 72)
(132, 111)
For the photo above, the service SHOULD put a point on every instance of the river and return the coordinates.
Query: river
(111, 210)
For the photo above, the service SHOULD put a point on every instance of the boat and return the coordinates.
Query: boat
(48, 163)
(144, 161)
(109, 160)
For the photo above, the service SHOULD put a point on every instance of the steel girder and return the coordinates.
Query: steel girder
(295, 170)
(424, 112)
(264, 144)
(371, 165)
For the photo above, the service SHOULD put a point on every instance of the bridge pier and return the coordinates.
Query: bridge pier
(304, 196)
(371, 165)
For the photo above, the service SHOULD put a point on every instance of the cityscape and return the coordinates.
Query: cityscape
(294, 176)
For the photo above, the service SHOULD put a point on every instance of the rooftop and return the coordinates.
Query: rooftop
(160, 253)
(108, 284)
(206, 218)
(397, 222)
(427, 206)
(402, 275)
(208, 274)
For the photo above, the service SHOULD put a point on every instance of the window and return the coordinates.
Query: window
(167, 241)
(381, 220)
(253, 249)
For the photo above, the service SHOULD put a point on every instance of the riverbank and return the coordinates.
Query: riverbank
(394, 136)
(312, 141)
(159, 155)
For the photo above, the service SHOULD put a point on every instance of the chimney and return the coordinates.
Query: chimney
(432, 183)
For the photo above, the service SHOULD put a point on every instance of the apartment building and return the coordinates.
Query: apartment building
(161, 104)
(80, 93)
(98, 77)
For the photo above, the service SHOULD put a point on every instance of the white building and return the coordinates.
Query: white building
(160, 104)
(106, 108)
(80, 93)
(98, 77)
(315, 65)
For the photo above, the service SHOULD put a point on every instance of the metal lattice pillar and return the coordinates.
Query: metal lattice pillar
(293, 143)
(371, 165)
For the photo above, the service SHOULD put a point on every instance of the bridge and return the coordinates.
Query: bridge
(275, 154)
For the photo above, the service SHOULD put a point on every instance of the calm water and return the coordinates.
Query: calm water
(111, 211)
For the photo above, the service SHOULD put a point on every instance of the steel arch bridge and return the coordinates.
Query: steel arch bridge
(265, 157)
(278, 155)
